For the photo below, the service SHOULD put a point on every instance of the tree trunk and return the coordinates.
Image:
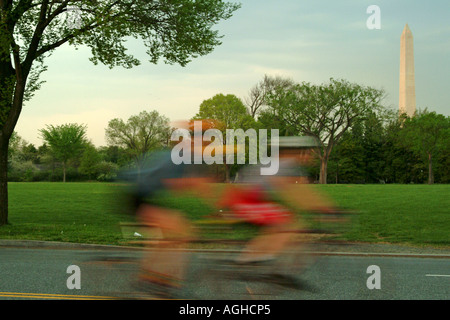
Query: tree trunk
(337, 173)
(227, 173)
(3, 180)
(430, 169)
(323, 170)
(324, 162)
(64, 172)
(7, 126)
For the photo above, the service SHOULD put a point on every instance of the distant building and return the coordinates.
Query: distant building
(407, 92)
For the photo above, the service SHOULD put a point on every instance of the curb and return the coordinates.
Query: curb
(384, 254)
(38, 244)
(332, 250)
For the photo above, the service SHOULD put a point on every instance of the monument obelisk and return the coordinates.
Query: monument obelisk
(407, 94)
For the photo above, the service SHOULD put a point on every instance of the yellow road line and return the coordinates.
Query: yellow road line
(53, 296)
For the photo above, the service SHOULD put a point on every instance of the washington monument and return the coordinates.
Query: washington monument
(407, 94)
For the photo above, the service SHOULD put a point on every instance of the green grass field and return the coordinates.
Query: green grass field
(88, 213)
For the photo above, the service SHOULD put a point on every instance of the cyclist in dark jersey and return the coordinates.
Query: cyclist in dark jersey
(163, 270)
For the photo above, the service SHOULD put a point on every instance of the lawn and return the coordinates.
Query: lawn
(414, 214)
(72, 212)
(89, 213)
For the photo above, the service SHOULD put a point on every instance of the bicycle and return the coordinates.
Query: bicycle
(222, 277)
(215, 274)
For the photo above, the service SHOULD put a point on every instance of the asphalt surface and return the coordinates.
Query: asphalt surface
(39, 270)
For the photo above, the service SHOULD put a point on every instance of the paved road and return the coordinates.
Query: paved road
(42, 273)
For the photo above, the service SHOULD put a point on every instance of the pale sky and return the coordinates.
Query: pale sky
(304, 40)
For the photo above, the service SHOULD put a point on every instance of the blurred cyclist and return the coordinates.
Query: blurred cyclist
(255, 199)
(163, 269)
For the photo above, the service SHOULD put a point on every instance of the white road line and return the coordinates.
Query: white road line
(437, 275)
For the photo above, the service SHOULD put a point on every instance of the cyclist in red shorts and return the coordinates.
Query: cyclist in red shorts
(252, 199)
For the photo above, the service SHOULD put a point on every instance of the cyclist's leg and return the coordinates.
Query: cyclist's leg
(270, 243)
(162, 265)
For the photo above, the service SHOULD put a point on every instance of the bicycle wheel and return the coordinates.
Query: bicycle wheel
(221, 278)
(109, 276)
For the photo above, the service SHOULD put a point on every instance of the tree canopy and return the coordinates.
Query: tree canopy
(231, 113)
(65, 141)
(427, 134)
(174, 31)
(324, 111)
(140, 134)
(228, 109)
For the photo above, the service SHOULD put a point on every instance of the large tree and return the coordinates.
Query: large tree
(258, 94)
(401, 164)
(358, 157)
(231, 113)
(427, 134)
(30, 30)
(66, 141)
(139, 135)
(324, 111)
